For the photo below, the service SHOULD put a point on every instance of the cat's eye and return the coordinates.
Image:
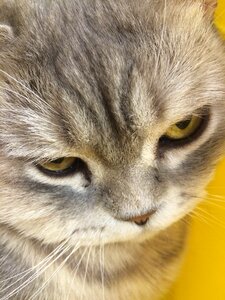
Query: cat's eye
(61, 166)
(184, 129)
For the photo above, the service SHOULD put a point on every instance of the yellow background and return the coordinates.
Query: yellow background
(203, 274)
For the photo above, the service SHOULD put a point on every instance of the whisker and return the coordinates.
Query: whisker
(55, 272)
(3, 259)
(76, 270)
(212, 218)
(185, 221)
(85, 273)
(21, 84)
(102, 262)
(216, 198)
(221, 197)
(212, 203)
(34, 276)
(40, 105)
(44, 261)
(93, 264)
(202, 218)
(161, 39)
(63, 263)
(79, 262)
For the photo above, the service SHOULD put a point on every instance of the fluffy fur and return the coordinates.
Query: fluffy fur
(103, 81)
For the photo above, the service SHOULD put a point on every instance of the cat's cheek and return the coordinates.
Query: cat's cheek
(176, 205)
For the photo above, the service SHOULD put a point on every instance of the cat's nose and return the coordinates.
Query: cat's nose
(143, 219)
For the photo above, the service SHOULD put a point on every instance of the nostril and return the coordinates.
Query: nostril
(143, 219)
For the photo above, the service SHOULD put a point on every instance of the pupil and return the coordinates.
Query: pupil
(58, 161)
(183, 124)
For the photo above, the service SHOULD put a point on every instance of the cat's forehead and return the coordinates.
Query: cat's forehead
(129, 57)
(113, 72)
(136, 66)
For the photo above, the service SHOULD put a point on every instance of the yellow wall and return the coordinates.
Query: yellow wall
(203, 274)
(220, 17)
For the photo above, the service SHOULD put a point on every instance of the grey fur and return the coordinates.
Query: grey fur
(102, 81)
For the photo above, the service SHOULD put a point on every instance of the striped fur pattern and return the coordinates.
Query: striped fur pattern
(102, 81)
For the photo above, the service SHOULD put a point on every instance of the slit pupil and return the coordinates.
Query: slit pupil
(183, 124)
(58, 161)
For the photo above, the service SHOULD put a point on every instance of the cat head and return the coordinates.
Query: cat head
(111, 116)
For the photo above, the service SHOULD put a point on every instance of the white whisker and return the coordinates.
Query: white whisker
(102, 263)
(85, 273)
(43, 262)
(55, 272)
(161, 39)
(21, 84)
(34, 276)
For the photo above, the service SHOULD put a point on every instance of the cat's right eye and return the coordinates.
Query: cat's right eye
(61, 167)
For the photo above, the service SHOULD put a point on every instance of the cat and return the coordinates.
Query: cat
(111, 125)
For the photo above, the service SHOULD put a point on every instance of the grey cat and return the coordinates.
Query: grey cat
(111, 124)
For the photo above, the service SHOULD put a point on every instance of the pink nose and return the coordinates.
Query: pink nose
(143, 219)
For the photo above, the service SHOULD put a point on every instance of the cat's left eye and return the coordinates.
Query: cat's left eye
(184, 129)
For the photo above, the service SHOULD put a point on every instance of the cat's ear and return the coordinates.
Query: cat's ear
(210, 7)
(6, 33)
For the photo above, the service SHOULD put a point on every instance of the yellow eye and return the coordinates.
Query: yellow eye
(184, 129)
(59, 166)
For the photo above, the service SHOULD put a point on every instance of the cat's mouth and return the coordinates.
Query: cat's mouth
(138, 229)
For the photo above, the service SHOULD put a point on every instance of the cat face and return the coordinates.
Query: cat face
(108, 112)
